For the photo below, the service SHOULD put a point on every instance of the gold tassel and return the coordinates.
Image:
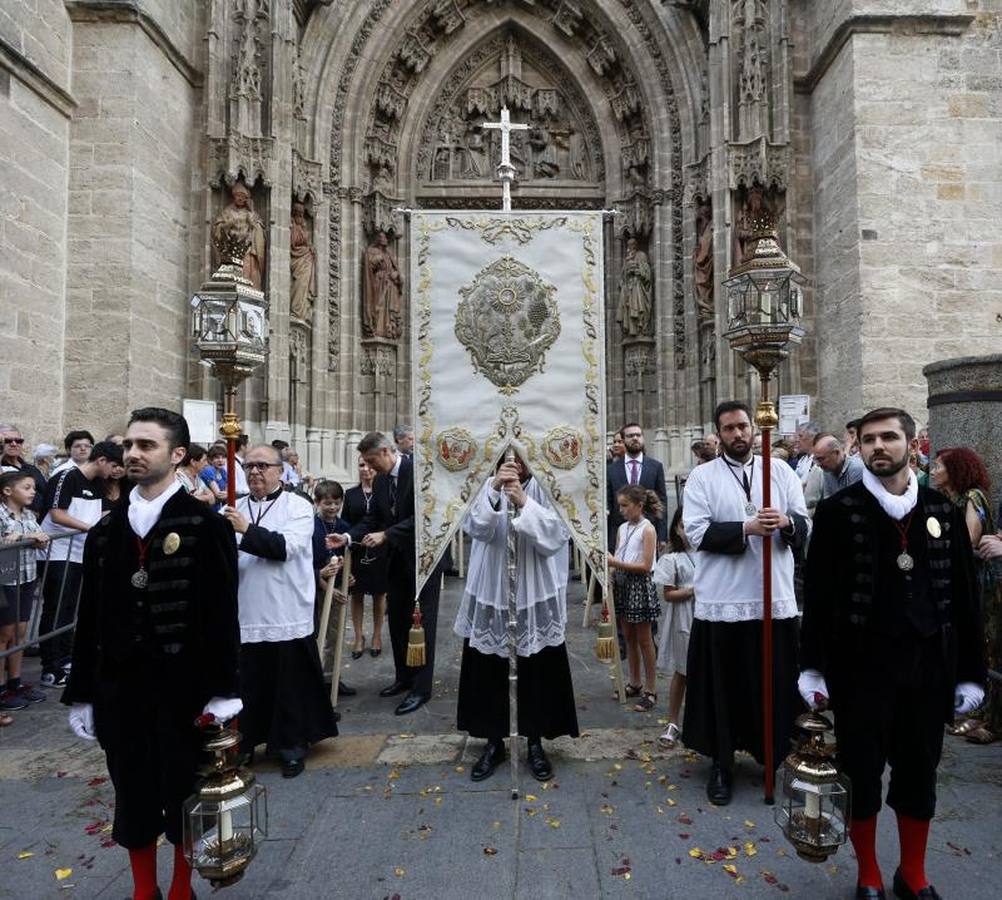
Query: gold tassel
(605, 646)
(415, 641)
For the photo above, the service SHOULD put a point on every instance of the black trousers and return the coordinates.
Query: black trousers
(60, 592)
(153, 751)
(888, 704)
(399, 611)
(545, 695)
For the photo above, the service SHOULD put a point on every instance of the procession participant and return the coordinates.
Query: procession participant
(892, 635)
(286, 705)
(726, 523)
(389, 523)
(156, 644)
(545, 692)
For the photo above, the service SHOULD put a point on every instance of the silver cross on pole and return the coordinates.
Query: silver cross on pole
(505, 170)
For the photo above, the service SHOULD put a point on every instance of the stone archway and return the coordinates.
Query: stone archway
(615, 62)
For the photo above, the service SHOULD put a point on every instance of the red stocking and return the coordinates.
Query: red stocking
(863, 834)
(144, 872)
(913, 835)
(180, 886)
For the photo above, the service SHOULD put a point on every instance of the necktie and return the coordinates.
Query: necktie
(633, 471)
(744, 478)
(393, 494)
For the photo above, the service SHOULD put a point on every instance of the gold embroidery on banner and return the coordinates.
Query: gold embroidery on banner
(521, 229)
(508, 319)
(562, 446)
(456, 447)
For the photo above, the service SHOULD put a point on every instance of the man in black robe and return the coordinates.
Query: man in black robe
(892, 639)
(390, 523)
(156, 644)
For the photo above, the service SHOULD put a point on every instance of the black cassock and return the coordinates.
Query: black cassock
(149, 659)
(391, 511)
(891, 644)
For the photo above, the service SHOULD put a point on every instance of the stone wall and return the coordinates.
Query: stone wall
(905, 113)
(132, 150)
(34, 132)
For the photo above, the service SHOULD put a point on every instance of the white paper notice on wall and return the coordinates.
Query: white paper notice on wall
(794, 410)
(201, 417)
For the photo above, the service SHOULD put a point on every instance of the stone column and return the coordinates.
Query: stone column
(965, 409)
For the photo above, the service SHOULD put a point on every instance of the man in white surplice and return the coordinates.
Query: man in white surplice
(545, 692)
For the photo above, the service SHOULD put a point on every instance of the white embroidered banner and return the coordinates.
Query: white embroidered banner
(508, 348)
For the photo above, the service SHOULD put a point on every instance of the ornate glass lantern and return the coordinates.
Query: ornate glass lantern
(227, 817)
(814, 810)
(228, 319)
(765, 303)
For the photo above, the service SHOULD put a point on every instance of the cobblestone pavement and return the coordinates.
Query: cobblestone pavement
(387, 810)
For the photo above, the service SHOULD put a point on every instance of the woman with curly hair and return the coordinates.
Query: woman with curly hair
(960, 473)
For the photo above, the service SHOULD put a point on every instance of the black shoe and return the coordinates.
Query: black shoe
(865, 892)
(490, 759)
(398, 687)
(720, 786)
(539, 765)
(902, 890)
(410, 703)
(293, 767)
(375, 651)
(344, 691)
(357, 654)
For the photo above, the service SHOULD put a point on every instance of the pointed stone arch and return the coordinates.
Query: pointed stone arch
(634, 60)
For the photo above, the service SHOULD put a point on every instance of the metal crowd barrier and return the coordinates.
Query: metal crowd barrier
(11, 556)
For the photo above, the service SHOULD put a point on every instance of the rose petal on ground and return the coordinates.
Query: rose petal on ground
(25, 854)
(490, 851)
(750, 849)
(63, 874)
(399, 871)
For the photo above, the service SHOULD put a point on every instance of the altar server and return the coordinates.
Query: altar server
(156, 644)
(892, 635)
(286, 705)
(545, 692)
(725, 521)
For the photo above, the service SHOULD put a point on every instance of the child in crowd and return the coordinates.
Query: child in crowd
(214, 475)
(18, 586)
(328, 498)
(633, 590)
(675, 572)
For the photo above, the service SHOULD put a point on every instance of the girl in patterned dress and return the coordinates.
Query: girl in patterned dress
(675, 573)
(633, 590)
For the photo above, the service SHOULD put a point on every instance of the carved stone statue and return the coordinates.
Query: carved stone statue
(238, 220)
(755, 219)
(303, 265)
(702, 262)
(636, 298)
(382, 309)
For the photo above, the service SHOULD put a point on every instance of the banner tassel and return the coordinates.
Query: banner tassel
(605, 646)
(415, 640)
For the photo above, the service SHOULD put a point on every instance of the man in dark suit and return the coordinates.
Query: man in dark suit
(389, 523)
(634, 467)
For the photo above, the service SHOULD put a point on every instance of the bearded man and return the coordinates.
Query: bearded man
(892, 640)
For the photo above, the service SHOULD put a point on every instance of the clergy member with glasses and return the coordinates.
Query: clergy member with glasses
(286, 705)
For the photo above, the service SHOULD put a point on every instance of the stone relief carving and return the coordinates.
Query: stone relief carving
(303, 265)
(237, 220)
(635, 313)
(758, 213)
(702, 263)
(382, 307)
(250, 71)
(562, 144)
(749, 21)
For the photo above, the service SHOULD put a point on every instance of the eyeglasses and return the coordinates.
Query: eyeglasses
(260, 466)
(13, 440)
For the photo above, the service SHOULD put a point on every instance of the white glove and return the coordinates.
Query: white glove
(223, 708)
(812, 688)
(967, 698)
(82, 721)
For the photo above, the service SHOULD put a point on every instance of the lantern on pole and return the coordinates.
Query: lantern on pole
(229, 325)
(764, 307)
(226, 819)
(814, 811)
